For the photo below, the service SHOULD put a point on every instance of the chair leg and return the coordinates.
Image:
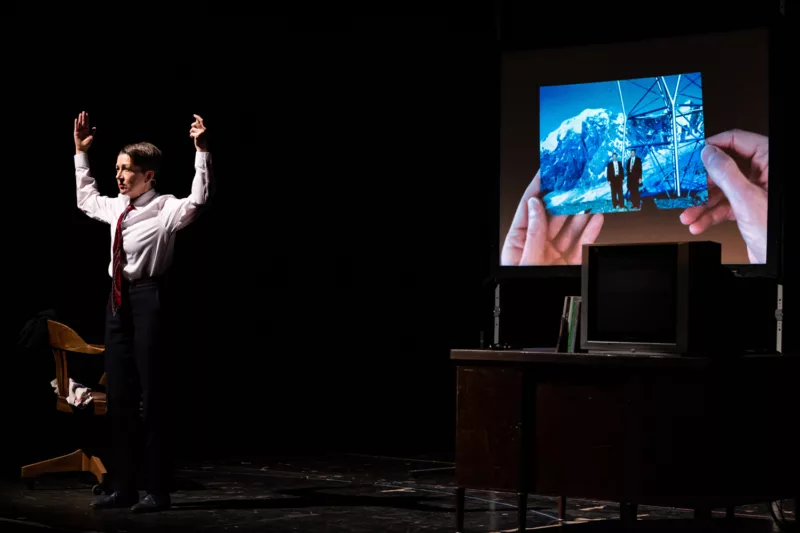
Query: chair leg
(72, 462)
(96, 467)
(76, 461)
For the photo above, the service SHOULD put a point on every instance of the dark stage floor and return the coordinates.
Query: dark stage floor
(337, 493)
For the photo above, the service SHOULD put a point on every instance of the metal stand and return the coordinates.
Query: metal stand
(497, 315)
(779, 318)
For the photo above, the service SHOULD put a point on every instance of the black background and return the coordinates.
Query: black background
(348, 247)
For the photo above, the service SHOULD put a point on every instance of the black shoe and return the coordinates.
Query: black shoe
(152, 503)
(115, 500)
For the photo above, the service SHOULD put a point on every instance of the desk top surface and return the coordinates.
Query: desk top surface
(639, 359)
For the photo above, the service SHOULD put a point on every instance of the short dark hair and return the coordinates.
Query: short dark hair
(146, 156)
(632, 150)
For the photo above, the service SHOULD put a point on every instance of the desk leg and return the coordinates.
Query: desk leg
(460, 496)
(702, 513)
(562, 508)
(627, 513)
(522, 511)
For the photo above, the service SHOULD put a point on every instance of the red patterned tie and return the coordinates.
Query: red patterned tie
(116, 285)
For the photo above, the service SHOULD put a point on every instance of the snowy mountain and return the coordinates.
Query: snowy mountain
(575, 155)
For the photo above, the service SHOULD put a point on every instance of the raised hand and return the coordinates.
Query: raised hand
(82, 134)
(198, 133)
(737, 163)
(536, 238)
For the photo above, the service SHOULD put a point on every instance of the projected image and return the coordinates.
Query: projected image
(636, 158)
(611, 147)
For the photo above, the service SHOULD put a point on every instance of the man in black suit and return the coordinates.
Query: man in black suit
(633, 168)
(614, 173)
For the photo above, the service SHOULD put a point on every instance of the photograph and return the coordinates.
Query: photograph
(615, 146)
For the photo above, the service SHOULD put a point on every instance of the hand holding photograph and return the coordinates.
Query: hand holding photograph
(612, 147)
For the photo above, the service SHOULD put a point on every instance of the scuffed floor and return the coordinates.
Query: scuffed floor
(343, 493)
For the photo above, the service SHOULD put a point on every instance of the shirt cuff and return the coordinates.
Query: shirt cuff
(82, 160)
(202, 159)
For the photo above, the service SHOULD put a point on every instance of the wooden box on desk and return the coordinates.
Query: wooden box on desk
(661, 430)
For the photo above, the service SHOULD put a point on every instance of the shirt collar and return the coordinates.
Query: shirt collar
(142, 200)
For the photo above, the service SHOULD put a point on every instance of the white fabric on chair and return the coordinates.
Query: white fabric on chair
(79, 395)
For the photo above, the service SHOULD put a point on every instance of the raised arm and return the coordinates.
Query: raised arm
(177, 213)
(90, 201)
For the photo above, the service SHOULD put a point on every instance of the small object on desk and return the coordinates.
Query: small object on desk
(570, 325)
(500, 346)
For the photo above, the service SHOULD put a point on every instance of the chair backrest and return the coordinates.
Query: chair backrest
(63, 339)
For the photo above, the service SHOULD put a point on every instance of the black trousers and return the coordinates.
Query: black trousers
(616, 193)
(633, 188)
(138, 361)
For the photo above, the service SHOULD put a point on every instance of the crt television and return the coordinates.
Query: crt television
(652, 298)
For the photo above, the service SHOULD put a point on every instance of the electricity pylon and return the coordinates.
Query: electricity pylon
(685, 117)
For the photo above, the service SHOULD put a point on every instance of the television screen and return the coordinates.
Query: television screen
(634, 297)
(657, 141)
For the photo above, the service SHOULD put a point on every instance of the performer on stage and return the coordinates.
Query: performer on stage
(137, 357)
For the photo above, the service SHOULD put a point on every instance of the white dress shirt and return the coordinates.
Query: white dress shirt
(616, 168)
(148, 231)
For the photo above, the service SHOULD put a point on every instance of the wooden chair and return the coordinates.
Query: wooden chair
(62, 340)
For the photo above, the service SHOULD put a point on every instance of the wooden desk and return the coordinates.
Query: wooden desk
(672, 431)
